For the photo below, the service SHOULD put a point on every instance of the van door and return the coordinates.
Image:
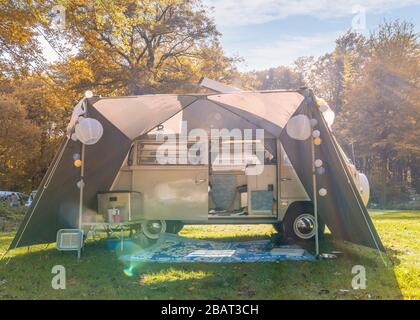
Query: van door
(177, 191)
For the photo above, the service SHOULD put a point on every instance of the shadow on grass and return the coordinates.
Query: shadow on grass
(100, 275)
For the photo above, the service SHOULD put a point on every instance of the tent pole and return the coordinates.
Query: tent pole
(82, 185)
(315, 200)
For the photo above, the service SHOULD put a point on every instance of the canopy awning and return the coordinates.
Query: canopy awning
(126, 118)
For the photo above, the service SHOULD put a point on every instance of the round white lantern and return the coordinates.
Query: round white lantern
(89, 130)
(299, 127)
(329, 117)
(314, 122)
(322, 192)
(316, 133)
(364, 188)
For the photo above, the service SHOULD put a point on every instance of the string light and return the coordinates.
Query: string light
(88, 94)
(77, 163)
(316, 133)
(322, 192)
(317, 141)
(318, 163)
(320, 170)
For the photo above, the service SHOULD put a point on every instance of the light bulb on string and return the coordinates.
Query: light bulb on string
(318, 163)
(88, 94)
(77, 163)
(320, 170)
(322, 192)
(80, 184)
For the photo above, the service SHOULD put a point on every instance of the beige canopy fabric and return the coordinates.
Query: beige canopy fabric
(137, 115)
(269, 109)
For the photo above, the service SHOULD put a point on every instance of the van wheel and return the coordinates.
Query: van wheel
(153, 229)
(174, 226)
(299, 223)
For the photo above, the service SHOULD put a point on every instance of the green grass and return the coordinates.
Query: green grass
(100, 275)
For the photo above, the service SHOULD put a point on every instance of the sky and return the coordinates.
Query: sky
(270, 33)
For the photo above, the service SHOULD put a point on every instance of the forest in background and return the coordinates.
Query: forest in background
(166, 46)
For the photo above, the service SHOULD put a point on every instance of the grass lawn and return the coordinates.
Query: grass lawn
(100, 275)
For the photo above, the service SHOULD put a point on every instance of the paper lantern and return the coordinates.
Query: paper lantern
(314, 122)
(364, 188)
(320, 170)
(89, 130)
(77, 163)
(322, 192)
(76, 156)
(299, 127)
(316, 133)
(329, 117)
(318, 163)
(317, 141)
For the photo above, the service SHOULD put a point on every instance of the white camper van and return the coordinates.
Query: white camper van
(220, 192)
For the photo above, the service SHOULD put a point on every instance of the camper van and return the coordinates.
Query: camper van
(257, 190)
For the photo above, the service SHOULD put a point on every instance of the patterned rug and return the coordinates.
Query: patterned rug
(173, 248)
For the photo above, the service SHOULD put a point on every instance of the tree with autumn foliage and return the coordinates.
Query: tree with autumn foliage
(138, 47)
(381, 111)
(110, 47)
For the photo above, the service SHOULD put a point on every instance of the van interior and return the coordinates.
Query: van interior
(227, 186)
(233, 183)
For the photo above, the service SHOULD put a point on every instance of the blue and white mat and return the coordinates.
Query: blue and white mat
(173, 248)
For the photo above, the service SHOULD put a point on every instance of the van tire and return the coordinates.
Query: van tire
(174, 226)
(299, 222)
(151, 231)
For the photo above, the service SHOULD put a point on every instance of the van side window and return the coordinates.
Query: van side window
(147, 153)
(233, 152)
